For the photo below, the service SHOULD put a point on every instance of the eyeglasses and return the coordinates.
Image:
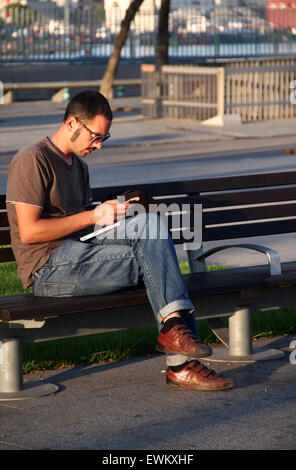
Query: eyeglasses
(95, 137)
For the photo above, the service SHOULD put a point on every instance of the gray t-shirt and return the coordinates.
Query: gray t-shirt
(38, 176)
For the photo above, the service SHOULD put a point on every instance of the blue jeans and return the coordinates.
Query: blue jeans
(139, 250)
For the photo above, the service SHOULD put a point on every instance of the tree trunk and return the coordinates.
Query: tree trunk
(163, 33)
(106, 87)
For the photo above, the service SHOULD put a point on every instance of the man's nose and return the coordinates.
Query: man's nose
(98, 145)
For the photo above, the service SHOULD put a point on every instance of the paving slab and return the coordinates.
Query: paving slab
(127, 406)
(33, 120)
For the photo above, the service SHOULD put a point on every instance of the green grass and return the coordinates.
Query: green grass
(9, 281)
(119, 345)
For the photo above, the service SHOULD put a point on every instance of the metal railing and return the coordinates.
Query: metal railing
(182, 92)
(254, 90)
(60, 88)
(87, 34)
(260, 90)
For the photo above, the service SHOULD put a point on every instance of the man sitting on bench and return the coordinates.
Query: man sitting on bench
(47, 195)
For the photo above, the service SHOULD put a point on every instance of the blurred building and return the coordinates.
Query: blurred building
(40, 4)
(115, 11)
(176, 4)
(61, 3)
(281, 14)
(6, 3)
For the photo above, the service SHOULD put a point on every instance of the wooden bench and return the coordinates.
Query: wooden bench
(232, 207)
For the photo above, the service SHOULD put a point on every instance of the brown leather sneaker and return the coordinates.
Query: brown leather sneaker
(180, 340)
(196, 376)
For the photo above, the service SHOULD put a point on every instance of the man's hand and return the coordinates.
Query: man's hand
(34, 229)
(111, 211)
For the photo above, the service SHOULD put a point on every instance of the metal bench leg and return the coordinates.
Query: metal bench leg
(11, 378)
(241, 348)
(192, 253)
(11, 374)
(240, 333)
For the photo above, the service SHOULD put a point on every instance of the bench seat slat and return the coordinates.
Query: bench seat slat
(199, 284)
(26, 306)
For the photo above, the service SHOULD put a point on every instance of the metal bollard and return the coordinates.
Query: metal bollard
(240, 333)
(11, 378)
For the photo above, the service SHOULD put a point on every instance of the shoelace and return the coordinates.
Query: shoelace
(202, 369)
(187, 332)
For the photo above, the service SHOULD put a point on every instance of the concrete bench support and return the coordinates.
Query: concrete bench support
(241, 349)
(11, 374)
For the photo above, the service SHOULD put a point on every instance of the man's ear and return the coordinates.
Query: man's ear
(71, 123)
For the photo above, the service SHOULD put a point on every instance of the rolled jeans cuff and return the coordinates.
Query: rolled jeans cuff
(176, 306)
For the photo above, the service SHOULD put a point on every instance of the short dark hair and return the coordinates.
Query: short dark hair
(88, 104)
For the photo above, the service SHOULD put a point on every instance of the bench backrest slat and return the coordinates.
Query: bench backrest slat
(246, 214)
(3, 219)
(233, 207)
(5, 236)
(241, 231)
(229, 183)
(6, 255)
(246, 197)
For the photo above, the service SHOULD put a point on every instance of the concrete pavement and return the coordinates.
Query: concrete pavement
(33, 120)
(126, 405)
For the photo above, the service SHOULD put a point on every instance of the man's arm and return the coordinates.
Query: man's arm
(34, 229)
